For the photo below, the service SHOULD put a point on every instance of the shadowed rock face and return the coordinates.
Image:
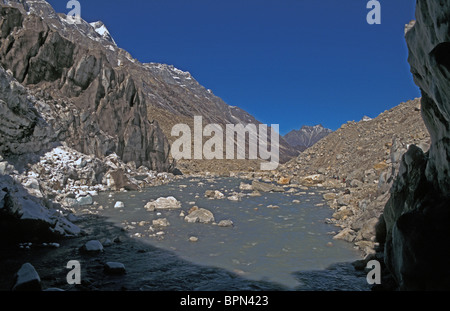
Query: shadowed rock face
(429, 57)
(22, 129)
(418, 213)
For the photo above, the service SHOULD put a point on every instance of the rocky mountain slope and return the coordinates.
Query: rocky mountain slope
(306, 137)
(358, 164)
(73, 63)
(357, 147)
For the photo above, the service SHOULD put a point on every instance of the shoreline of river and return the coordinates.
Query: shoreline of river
(116, 236)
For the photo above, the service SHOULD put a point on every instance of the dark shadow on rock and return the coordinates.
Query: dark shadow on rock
(23, 162)
(332, 278)
(40, 222)
(148, 268)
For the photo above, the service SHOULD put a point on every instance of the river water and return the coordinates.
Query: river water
(289, 245)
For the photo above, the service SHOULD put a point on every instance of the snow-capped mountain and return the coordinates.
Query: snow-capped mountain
(101, 29)
(307, 136)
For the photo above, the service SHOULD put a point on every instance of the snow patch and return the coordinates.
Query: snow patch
(101, 29)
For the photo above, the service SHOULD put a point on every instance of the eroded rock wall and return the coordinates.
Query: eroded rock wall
(22, 129)
(57, 61)
(417, 214)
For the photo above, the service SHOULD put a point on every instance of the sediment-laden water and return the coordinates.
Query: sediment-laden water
(274, 244)
(273, 239)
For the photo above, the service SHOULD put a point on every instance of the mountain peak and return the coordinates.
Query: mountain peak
(101, 29)
(314, 127)
(307, 136)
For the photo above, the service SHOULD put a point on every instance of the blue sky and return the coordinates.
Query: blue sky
(287, 62)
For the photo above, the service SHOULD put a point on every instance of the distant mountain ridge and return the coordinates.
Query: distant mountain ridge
(306, 137)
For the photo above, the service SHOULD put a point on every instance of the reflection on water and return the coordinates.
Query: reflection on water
(271, 244)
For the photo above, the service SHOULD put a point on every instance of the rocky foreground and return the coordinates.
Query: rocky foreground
(39, 192)
(41, 178)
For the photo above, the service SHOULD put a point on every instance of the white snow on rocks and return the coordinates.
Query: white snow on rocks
(69, 178)
(119, 204)
(101, 29)
(24, 206)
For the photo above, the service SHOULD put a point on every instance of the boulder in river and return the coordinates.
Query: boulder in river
(201, 215)
(93, 246)
(27, 279)
(245, 187)
(119, 204)
(163, 204)
(214, 194)
(234, 198)
(85, 200)
(266, 187)
(162, 222)
(114, 268)
(226, 223)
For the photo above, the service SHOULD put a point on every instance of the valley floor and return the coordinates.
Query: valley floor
(153, 267)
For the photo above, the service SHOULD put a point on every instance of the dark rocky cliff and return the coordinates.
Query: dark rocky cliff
(418, 212)
(58, 61)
